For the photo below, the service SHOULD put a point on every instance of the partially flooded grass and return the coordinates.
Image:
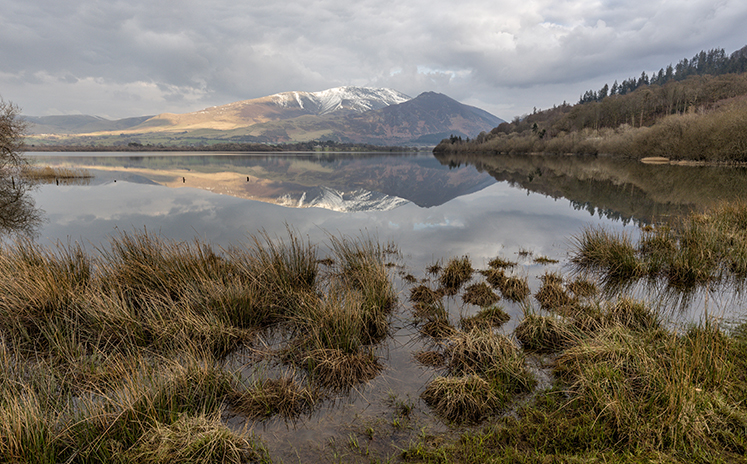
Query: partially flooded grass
(120, 356)
(698, 251)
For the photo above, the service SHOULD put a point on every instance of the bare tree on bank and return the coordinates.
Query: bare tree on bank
(18, 214)
(12, 130)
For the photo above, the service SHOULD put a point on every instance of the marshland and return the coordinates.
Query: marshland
(421, 309)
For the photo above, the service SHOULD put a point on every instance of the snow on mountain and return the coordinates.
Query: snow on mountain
(358, 99)
(336, 200)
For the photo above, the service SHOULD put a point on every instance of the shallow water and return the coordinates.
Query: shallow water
(432, 209)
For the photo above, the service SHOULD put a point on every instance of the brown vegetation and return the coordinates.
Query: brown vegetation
(701, 118)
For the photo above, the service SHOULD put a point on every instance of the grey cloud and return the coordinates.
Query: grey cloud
(144, 57)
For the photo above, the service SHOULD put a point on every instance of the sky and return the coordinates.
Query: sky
(118, 59)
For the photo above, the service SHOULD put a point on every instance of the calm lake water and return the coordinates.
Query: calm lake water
(432, 208)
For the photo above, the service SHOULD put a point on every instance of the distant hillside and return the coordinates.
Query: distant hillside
(79, 124)
(278, 107)
(344, 115)
(698, 117)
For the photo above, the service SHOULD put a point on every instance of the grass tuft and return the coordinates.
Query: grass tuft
(456, 273)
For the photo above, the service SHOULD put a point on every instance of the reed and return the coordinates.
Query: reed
(47, 173)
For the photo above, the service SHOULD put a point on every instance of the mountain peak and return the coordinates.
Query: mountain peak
(358, 99)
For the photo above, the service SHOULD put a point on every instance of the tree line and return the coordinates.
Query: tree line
(711, 62)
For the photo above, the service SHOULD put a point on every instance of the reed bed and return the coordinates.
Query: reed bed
(48, 173)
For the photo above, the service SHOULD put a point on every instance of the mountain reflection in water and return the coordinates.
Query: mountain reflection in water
(340, 182)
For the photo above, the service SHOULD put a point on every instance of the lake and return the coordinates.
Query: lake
(431, 208)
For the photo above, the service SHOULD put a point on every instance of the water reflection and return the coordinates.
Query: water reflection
(18, 213)
(351, 182)
(619, 189)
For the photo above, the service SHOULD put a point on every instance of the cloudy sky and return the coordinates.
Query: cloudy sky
(139, 57)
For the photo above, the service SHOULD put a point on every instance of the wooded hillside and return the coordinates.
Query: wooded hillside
(696, 117)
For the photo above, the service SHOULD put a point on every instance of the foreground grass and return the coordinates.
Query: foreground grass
(122, 356)
(626, 386)
(624, 396)
(126, 354)
(700, 250)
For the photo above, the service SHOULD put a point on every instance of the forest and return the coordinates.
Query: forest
(695, 111)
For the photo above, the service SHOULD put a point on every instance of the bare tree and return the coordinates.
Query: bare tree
(18, 214)
(12, 130)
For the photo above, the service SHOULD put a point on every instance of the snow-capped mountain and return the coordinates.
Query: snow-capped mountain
(343, 114)
(278, 107)
(336, 200)
(357, 99)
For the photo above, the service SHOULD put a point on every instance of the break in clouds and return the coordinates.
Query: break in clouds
(118, 59)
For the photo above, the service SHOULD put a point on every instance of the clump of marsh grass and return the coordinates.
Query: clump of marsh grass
(552, 295)
(430, 358)
(201, 438)
(438, 329)
(269, 397)
(544, 334)
(468, 398)
(632, 314)
(501, 263)
(512, 288)
(337, 370)
(424, 294)
(596, 249)
(361, 266)
(486, 353)
(582, 288)
(543, 260)
(515, 288)
(492, 317)
(456, 273)
(479, 294)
